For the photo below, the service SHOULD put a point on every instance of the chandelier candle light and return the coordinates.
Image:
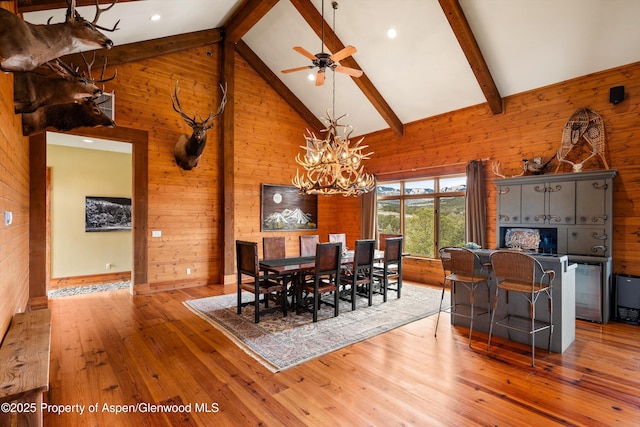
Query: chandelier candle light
(332, 165)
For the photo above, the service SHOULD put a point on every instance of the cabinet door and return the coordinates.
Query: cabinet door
(509, 204)
(591, 196)
(534, 203)
(587, 241)
(562, 208)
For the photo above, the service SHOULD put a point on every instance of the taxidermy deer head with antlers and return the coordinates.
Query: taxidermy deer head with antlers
(189, 149)
(25, 46)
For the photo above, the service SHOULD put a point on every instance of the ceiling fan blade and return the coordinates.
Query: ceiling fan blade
(341, 54)
(320, 78)
(351, 71)
(292, 70)
(305, 52)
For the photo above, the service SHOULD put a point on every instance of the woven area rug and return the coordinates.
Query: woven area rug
(282, 342)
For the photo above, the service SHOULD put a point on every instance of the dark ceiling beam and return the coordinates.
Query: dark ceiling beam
(133, 52)
(36, 5)
(314, 19)
(281, 89)
(469, 45)
(246, 17)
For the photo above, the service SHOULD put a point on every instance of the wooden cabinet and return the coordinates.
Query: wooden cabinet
(574, 211)
(548, 203)
(509, 200)
(577, 205)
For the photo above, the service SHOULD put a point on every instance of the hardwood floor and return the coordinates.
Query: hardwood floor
(111, 349)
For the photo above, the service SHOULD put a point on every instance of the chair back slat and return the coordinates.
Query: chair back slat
(274, 247)
(393, 249)
(328, 258)
(247, 258)
(339, 237)
(308, 244)
(459, 260)
(364, 254)
(515, 266)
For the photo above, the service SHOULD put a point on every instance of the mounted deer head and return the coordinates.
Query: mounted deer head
(64, 117)
(34, 89)
(25, 46)
(189, 149)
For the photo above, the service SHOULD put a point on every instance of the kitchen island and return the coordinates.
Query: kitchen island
(564, 305)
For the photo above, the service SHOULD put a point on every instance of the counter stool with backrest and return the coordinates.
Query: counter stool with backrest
(463, 267)
(522, 274)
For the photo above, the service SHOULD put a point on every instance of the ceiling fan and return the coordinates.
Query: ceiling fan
(323, 60)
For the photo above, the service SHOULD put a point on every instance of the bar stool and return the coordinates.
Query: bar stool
(462, 266)
(516, 272)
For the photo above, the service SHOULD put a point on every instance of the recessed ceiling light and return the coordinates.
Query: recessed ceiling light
(88, 141)
(391, 33)
(155, 17)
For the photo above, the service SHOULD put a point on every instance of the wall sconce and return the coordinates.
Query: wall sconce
(616, 95)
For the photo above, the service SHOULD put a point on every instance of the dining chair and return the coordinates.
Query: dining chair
(308, 244)
(389, 273)
(382, 240)
(325, 279)
(358, 279)
(261, 283)
(522, 274)
(339, 237)
(274, 247)
(463, 267)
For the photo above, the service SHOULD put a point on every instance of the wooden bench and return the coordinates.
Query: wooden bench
(24, 368)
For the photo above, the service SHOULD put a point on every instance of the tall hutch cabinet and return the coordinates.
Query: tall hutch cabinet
(574, 214)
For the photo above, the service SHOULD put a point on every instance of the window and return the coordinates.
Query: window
(428, 212)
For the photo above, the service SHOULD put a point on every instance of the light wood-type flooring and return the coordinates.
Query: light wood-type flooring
(111, 350)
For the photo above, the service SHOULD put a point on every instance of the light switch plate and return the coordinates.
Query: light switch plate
(8, 218)
(156, 233)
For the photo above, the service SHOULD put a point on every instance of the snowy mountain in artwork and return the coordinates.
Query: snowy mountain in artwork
(288, 219)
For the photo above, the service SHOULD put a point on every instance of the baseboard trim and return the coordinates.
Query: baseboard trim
(92, 279)
(150, 288)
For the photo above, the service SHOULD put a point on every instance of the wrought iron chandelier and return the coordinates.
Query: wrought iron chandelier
(332, 164)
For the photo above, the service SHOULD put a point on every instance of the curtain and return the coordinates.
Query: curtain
(475, 204)
(368, 224)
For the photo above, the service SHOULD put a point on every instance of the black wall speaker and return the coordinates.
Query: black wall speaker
(616, 95)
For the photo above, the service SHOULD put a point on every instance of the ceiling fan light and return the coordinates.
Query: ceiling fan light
(311, 77)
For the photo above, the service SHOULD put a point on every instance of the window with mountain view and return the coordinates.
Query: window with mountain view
(428, 212)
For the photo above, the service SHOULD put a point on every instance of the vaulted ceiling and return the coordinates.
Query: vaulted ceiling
(448, 54)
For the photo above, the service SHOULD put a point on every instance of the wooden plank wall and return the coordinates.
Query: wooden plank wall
(183, 205)
(14, 197)
(531, 125)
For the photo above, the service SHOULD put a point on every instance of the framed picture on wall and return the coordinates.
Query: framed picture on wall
(107, 214)
(285, 209)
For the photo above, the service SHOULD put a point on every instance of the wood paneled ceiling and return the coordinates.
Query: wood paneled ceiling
(448, 54)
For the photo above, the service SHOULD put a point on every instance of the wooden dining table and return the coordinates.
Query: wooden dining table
(292, 269)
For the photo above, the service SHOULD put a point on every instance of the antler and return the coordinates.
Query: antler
(175, 100)
(223, 102)
(99, 12)
(495, 168)
(104, 68)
